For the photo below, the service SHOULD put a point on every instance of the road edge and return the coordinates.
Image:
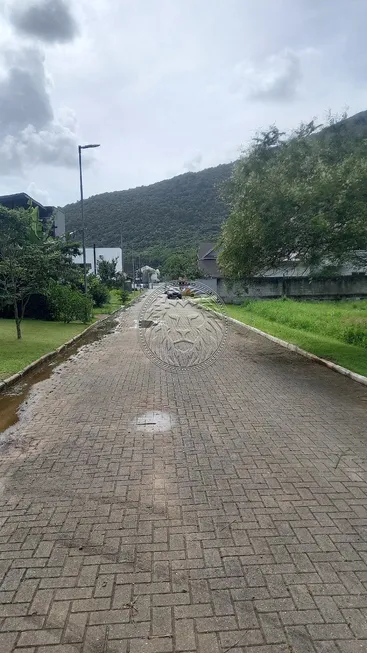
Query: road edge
(11, 380)
(359, 378)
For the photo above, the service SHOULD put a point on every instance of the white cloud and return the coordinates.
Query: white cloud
(137, 79)
(194, 164)
(50, 21)
(30, 132)
(277, 78)
(38, 194)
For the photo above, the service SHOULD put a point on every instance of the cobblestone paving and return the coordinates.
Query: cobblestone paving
(236, 521)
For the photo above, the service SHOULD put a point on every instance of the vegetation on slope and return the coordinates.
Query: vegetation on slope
(302, 196)
(156, 219)
(179, 213)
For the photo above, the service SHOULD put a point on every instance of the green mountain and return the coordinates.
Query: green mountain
(175, 213)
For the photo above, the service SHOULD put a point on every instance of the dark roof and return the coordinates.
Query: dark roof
(208, 252)
(21, 200)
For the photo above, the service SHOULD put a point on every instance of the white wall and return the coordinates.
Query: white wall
(108, 253)
(59, 223)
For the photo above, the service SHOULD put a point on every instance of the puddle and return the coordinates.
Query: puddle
(154, 422)
(12, 399)
(145, 324)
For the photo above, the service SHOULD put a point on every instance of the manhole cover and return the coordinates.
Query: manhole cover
(154, 422)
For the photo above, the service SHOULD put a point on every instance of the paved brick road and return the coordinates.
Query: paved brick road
(236, 522)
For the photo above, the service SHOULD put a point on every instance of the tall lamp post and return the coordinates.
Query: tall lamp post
(133, 264)
(80, 148)
(122, 263)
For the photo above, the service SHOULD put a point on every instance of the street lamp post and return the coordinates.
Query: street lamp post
(133, 264)
(80, 148)
(122, 263)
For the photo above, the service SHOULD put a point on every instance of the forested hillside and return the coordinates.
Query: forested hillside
(175, 213)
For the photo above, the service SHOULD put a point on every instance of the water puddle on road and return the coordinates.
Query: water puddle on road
(12, 399)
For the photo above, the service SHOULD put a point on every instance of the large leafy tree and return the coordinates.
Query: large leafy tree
(181, 264)
(302, 197)
(28, 264)
(107, 271)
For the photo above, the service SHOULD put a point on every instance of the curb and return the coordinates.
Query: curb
(359, 378)
(11, 380)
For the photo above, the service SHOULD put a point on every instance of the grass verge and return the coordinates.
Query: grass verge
(39, 338)
(257, 314)
(114, 303)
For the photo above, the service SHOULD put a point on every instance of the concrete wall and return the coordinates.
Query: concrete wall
(108, 253)
(298, 288)
(59, 221)
(209, 283)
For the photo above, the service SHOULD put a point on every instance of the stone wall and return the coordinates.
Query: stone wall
(296, 287)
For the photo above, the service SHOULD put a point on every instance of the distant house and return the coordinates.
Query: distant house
(50, 216)
(208, 255)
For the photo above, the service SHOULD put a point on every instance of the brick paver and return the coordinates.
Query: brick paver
(240, 526)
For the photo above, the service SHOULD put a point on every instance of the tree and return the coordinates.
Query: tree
(28, 264)
(107, 271)
(15, 237)
(98, 291)
(302, 197)
(181, 264)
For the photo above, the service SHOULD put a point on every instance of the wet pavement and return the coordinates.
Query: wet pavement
(13, 400)
(216, 510)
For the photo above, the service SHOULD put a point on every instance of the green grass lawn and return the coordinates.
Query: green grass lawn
(41, 337)
(112, 305)
(336, 331)
(38, 338)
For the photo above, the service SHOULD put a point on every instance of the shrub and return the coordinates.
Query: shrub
(69, 305)
(124, 294)
(84, 308)
(356, 334)
(98, 292)
(37, 308)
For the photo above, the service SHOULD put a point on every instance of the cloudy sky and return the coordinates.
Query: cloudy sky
(164, 86)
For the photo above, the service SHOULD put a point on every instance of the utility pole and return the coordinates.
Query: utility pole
(94, 259)
(133, 264)
(80, 148)
(83, 225)
(122, 263)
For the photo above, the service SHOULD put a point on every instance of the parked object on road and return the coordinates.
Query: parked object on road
(173, 293)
